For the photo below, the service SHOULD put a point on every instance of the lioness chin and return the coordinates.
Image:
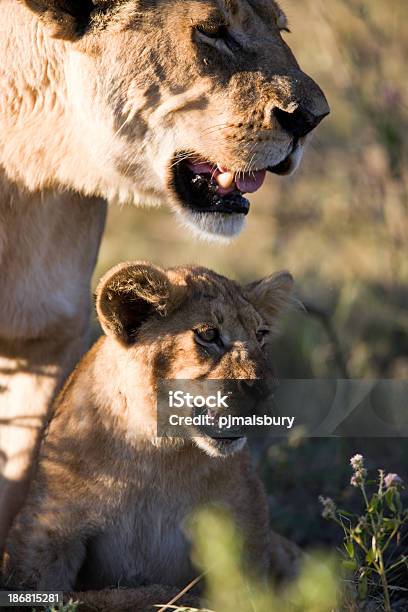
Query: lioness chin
(110, 499)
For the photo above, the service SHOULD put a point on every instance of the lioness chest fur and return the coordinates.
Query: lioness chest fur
(110, 499)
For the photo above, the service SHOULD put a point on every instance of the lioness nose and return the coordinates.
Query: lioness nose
(299, 122)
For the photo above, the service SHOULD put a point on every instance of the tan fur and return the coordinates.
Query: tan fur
(44, 313)
(93, 107)
(109, 503)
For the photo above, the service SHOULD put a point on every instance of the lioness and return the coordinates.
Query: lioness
(109, 500)
(181, 101)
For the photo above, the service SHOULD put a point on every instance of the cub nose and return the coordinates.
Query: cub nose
(299, 122)
(257, 388)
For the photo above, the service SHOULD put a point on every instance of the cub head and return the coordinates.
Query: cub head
(185, 101)
(191, 324)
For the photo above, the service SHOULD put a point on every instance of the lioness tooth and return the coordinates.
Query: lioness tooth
(225, 179)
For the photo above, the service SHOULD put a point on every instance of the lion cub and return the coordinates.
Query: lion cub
(109, 501)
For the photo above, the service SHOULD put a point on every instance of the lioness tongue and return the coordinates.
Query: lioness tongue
(248, 182)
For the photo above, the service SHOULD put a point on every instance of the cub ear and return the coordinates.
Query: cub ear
(67, 19)
(272, 295)
(128, 295)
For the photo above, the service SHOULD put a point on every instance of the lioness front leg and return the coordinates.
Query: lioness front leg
(44, 322)
(31, 374)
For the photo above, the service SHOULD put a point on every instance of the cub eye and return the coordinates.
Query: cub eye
(261, 335)
(208, 335)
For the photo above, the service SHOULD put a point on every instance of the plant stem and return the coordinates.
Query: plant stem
(378, 551)
(387, 603)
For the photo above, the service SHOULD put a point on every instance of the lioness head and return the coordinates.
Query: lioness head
(184, 101)
(184, 323)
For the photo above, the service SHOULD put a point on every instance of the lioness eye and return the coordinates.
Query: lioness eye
(282, 23)
(218, 31)
(261, 334)
(208, 335)
(213, 30)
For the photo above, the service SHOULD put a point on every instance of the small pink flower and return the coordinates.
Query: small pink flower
(392, 480)
(357, 462)
(329, 507)
(358, 477)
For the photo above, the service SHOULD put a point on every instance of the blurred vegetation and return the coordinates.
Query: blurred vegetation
(340, 225)
(341, 581)
(231, 588)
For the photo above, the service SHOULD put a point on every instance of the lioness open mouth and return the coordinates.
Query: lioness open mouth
(210, 190)
(203, 187)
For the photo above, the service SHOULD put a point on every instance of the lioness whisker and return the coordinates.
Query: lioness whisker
(185, 157)
(213, 128)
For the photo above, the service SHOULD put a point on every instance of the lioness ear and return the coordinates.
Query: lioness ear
(128, 295)
(67, 19)
(271, 295)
